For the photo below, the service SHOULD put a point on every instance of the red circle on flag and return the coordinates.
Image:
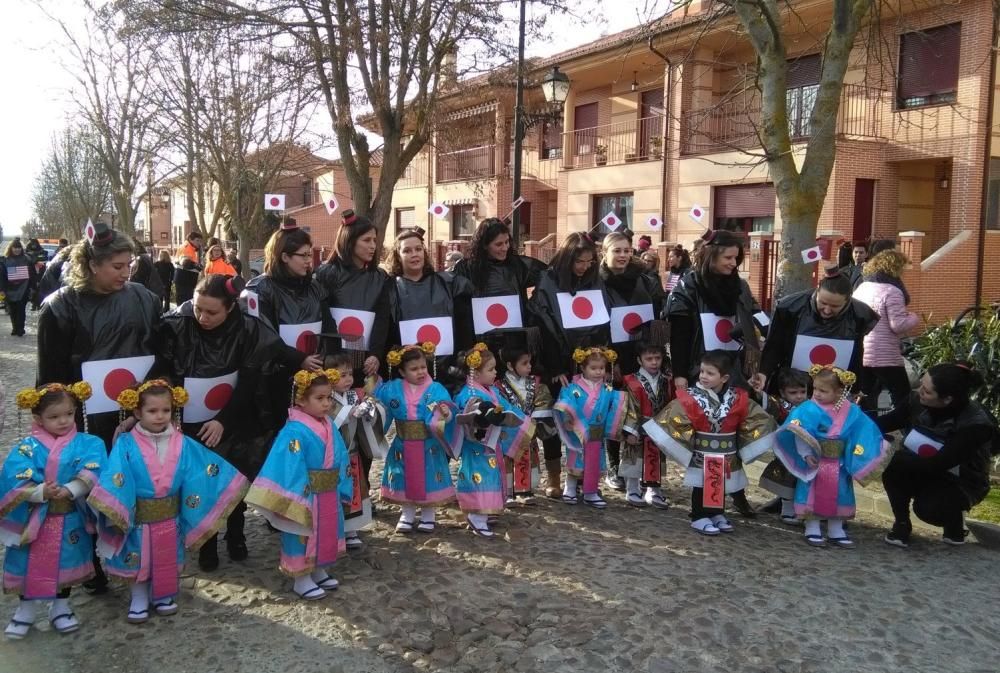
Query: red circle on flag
(306, 343)
(333, 204)
(823, 354)
(351, 327)
(218, 396)
(926, 451)
(429, 333)
(696, 212)
(812, 254)
(252, 304)
(582, 308)
(275, 201)
(722, 330)
(497, 315)
(116, 381)
(631, 322)
(438, 210)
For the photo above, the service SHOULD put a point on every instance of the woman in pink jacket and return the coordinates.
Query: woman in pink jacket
(883, 290)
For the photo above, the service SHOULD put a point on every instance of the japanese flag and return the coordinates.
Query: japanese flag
(331, 205)
(583, 309)
(716, 332)
(302, 337)
(925, 446)
(90, 231)
(697, 213)
(612, 221)
(439, 210)
(654, 222)
(438, 331)
(626, 319)
(107, 378)
(810, 350)
(762, 318)
(812, 255)
(207, 397)
(253, 303)
(490, 313)
(354, 326)
(274, 202)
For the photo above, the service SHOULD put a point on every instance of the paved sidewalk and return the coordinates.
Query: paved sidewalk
(566, 589)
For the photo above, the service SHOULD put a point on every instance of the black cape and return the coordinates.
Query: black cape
(512, 276)
(634, 286)
(16, 290)
(368, 289)
(558, 342)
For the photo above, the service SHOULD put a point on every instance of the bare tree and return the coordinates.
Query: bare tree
(72, 184)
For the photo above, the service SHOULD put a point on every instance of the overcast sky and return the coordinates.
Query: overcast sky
(36, 82)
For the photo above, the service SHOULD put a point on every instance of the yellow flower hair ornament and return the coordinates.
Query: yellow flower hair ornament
(128, 399)
(393, 358)
(846, 378)
(30, 397)
(428, 347)
(580, 355)
(303, 379)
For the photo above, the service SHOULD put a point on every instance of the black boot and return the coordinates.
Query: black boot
(99, 584)
(742, 505)
(208, 557)
(236, 541)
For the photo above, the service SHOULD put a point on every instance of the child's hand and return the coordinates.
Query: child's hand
(445, 411)
(758, 382)
(680, 383)
(631, 439)
(50, 491)
(812, 462)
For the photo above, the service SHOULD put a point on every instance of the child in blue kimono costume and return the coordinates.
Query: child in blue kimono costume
(828, 442)
(44, 520)
(416, 470)
(587, 413)
(487, 440)
(304, 485)
(160, 496)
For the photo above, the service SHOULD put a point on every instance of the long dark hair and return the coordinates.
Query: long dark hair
(685, 256)
(479, 257)
(222, 287)
(955, 380)
(714, 243)
(283, 242)
(354, 227)
(562, 262)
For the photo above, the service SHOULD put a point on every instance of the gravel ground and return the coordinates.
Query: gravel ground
(563, 589)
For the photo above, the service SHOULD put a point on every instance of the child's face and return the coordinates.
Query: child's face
(155, 412)
(522, 367)
(316, 402)
(711, 378)
(346, 379)
(415, 371)
(58, 419)
(825, 392)
(487, 373)
(651, 361)
(593, 369)
(794, 395)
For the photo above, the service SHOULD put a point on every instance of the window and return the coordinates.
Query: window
(585, 128)
(744, 208)
(803, 84)
(405, 219)
(928, 66)
(993, 197)
(550, 134)
(306, 193)
(463, 221)
(619, 204)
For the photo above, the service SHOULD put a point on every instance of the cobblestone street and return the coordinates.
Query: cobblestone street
(562, 589)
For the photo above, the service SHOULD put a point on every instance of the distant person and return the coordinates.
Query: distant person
(17, 278)
(453, 258)
(165, 269)
(188, 266)
(37, 256)
(233, 257)
(143, 271)
(52, 279)
(853, 269)
(678, 263)
(63, 243)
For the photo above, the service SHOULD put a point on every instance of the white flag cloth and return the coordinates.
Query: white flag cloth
(925, 446)
(583, 309)
(274, 202)
(697, 213)
(812, 255)
(207, 397)
(490, 313)
(107, 378)
(612, 221)
(354, 323)
(810, 350)
(626, 319)
(716, 330)
(253, 303)
(89, 231)
(301, 337)
(439, 331)
(654, 222)
(331, 205)
(439, 210)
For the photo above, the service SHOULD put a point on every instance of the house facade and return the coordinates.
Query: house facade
(661, 122)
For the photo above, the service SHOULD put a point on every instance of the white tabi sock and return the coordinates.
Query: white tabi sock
(319, 575)
(835, 528)
(60, 606)
(26, 611)
(428, 514)
(305, 584)
(409, 513)
(787, 507)
(570, 488)
(140, 597)
(812, 527)
(480, 521)
(632, 486)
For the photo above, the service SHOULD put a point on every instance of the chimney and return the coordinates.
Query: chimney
(449, 68)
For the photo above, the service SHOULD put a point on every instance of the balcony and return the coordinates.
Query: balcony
(734, 124)
(612, 144)
(474, 163)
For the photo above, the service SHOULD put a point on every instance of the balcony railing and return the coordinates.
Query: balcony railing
(469, 164)
(735, 124)
(620, 143)
(415, 175)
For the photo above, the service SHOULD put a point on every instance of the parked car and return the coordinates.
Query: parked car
(256, 266)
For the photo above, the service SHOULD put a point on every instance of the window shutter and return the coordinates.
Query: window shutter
(804, 71)
(928, 61)
(754, 200)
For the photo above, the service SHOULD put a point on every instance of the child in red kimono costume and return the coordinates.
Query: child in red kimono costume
(648, 390)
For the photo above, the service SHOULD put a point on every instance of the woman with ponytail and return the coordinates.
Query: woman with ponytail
(216, 352)
(944, 465)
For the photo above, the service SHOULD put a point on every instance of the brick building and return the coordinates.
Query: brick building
(642, 135)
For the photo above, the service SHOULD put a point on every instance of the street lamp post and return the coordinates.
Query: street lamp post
(555, 87)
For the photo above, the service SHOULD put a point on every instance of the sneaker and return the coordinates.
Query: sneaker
(527, 499)
(236, 546)
(953, 538)
(353, 541)
(614, 482)
(208, 556)
(743, 505)
(899, 536)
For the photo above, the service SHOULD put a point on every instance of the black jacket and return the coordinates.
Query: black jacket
(513, 276)
(634, 286)
(368, 289)
(559, 342)
(17, 290)
(441, 294)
